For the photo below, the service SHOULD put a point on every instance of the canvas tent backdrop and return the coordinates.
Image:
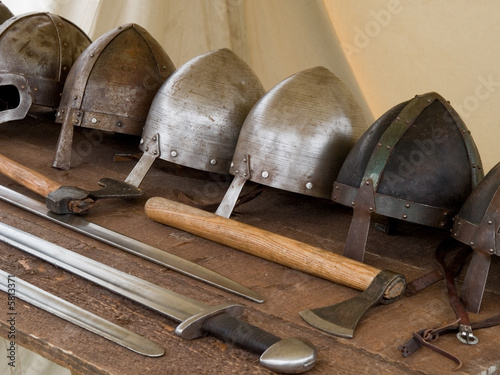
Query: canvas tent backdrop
(386, 51)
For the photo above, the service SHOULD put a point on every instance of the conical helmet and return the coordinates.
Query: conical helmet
(5, 13)
(197, 114)
(37, 51)
(297, 136)
(417, 162)
(111, 86)
(478, 225)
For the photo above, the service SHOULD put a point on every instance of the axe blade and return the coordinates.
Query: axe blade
(342, 318)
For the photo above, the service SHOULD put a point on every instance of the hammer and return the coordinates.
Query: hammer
(340, 319)
(65, 199)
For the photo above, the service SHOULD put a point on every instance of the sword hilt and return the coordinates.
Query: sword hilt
(293, 355)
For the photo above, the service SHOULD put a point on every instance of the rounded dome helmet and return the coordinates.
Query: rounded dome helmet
(296, 137)
(5, 13)
(477, 224)
(37, 51)
(111, 86)
(417, 162)
(197, 114)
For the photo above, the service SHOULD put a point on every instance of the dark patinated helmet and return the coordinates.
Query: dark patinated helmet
(37, 51)
(111, 86)
(417, 162)
(478, 225)
(5, 13)
(197, 114)
(297, 136)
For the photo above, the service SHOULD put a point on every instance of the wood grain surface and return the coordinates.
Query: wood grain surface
(319, 223)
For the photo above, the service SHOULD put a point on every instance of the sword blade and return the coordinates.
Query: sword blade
(76, 315)
(130, 245)
(165, 301)
(288, 356)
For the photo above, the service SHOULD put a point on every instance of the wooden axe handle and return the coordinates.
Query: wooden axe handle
(27, 177)
(267, 245)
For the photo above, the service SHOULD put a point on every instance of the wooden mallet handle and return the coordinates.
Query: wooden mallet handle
(27, 177)
(267, 245)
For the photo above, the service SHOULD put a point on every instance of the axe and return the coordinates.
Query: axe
(340, 319)
(65, 199)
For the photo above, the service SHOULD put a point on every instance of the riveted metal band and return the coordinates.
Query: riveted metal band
(102, 121)
(393, 134)
(477, 172)
(397, 208)
(484, 237)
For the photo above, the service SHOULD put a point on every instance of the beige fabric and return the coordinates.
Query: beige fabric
(386, 51)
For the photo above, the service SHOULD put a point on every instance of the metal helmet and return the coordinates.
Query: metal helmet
(417, 162)
(197, 114)
(111, 86)
(477, 224)
(297, 136)
(5, 13)
(37, 51)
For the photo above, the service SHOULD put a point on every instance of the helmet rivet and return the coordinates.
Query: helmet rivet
(76, 122)
(155, 152)
(265, 174)
(75, 97)
(353, 203)
(78, 114)
(232, 165)
(23, 87)
(371, 209)
(309, 185)
(472, 243)
(64, 67)
(154, 138)
(173, 153)
(65, 44)
(213, 162)
(367, 183)
(336, 187)
(405, 216)
(407, 205)
(91, 55)
(334, 197)
(147, 149)
(492, 251)
(35, 88)
(388, 147)
(93, 120)
(119, 124)
(244, 160)
(490, 222)
(142, 141)
(379, 144)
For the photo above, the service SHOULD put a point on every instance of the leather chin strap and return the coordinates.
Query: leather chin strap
(462, 323)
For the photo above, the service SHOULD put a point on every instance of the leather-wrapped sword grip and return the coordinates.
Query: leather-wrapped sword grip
(239, 333)
(292, 355)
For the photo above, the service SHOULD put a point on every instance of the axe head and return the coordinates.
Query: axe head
(341, 319)
(73, 200)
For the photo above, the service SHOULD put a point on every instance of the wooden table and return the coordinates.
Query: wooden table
(374, 348)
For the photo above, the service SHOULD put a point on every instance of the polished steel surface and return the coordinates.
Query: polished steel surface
(46, 301)
(198, 112)
(130, 245)
(150, 295)
(297, 136)
(169, 303)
